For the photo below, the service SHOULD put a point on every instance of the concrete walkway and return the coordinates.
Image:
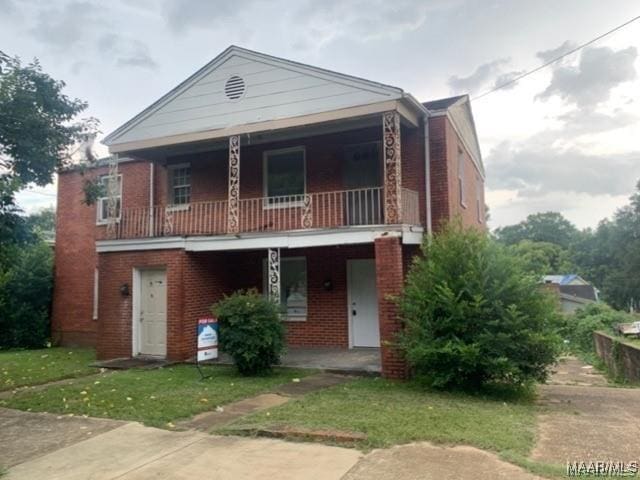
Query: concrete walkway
(134, 452)
(424, 461)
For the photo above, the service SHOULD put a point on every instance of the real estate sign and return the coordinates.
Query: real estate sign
(207, 339)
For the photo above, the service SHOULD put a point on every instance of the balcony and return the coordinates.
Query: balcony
(323, 210)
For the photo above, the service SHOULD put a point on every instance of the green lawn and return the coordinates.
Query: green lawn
(154, 397)
(391, 413)
(32, 367)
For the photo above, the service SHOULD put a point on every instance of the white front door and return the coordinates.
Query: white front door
(153, 313)
(363, 303)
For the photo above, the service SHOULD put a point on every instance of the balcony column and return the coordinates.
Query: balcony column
(392, 167)
(273, 256)
(233, 224)
(113, 191)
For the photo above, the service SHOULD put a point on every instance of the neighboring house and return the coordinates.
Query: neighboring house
(572, 290)
(259, 172)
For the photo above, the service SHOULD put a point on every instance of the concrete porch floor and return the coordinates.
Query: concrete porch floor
(343, 360)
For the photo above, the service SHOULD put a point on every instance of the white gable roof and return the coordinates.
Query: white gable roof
(274, 88)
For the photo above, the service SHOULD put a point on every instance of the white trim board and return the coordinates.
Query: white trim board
(300, 239)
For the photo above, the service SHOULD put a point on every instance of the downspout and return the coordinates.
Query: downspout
(427, 171)
(151, 212)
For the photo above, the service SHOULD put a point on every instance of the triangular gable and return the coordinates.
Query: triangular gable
(268, 88)
(462, 117)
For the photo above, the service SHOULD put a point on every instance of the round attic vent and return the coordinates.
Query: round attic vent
(234, 88)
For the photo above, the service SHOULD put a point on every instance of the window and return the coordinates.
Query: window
(180, 184)
(293, 286)
(284, 175)
(479, 205)
(102, 210)
(461, 186)
(95, 294)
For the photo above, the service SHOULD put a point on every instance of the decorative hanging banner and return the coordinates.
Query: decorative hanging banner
(207, 339)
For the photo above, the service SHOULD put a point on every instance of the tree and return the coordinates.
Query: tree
(543, 258)
(43, 223)
(37, 127)
(473, 318)
(549, 227)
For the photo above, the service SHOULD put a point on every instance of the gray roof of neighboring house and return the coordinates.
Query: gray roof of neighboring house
(587, 292)
(560, 279)
(442, 103)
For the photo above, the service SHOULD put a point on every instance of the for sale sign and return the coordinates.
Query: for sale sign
(207, 339)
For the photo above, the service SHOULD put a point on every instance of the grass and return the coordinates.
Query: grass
(20, 368)
(393, 413)
(153, 397)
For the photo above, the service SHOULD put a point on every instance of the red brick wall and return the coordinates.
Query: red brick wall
(327, 317)
(389, 281)
(445, 189)
(75, 252)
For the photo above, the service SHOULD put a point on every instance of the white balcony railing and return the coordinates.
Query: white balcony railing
(267, 214)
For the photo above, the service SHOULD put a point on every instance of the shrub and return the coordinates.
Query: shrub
(473, 318)
(578, 327)
(25, 295)
(251, 331)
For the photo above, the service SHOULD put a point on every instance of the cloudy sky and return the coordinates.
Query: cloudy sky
(566, 138)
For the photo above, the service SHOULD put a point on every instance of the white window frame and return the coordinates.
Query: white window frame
(173, 207)
(265, 176)
(461, 183)
(95, 293)
(100, 200)
(265, 286)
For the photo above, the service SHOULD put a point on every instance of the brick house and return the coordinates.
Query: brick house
(257, 172)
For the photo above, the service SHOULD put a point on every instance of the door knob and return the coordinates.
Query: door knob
(353, 312)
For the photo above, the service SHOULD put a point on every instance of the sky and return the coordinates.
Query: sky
(564, 139)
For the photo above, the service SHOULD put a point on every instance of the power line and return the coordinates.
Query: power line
(579, 47)
(39, 193)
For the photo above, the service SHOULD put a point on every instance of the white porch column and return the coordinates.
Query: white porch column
(273, 259)
(113, 191)
(233, 225)
(392, 168)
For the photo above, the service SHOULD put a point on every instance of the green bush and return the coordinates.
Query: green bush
(25, 295)
(251, 331)
(472, 318)
(578, 327)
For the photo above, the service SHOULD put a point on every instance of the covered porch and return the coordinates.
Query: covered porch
(356, 361)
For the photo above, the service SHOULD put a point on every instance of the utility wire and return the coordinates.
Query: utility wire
(579, 47)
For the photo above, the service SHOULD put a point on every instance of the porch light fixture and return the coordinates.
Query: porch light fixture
(327, 284)
(124, 289)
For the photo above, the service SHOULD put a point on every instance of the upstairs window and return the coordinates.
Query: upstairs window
(180, 184)
(284, 175)
(102, 204)
(461, 185)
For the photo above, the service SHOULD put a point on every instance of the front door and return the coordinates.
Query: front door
(153, 313)
(363, 303)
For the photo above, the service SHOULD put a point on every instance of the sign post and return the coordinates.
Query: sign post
(207, 342)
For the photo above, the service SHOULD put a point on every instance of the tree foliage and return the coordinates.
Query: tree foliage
(25, 295)
(251, 331)
(38, 127)
(578, 327)
(473, 317)
(543, 258)
(550, 227)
